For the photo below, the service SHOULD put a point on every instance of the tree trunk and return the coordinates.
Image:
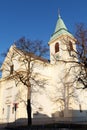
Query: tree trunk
(29, 112)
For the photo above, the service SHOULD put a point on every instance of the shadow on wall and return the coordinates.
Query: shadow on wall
(38, 119)
(64, 115)
(42, 119)
(70, 116)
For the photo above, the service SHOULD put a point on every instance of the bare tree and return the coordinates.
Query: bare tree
(30, 52)
(81, 36)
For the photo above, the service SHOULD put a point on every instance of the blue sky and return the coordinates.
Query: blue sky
(36, 19)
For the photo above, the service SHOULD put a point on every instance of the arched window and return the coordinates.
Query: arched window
(70, 46)
(56, 47)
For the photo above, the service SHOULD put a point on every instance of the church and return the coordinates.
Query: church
(56, 97)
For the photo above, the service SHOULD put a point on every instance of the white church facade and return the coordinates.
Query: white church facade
(56, 97)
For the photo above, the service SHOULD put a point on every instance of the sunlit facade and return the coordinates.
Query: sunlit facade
(54, 97)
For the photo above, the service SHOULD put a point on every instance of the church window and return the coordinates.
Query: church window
(11, 69)
(56, 47)
(70, 46)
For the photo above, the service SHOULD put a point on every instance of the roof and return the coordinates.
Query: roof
(30, 54)
(60, 29)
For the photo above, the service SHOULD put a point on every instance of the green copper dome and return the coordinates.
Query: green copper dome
(60, 29)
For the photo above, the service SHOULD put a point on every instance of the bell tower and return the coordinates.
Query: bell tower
(61, 43)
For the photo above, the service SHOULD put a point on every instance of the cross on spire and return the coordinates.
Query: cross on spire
(59, 13)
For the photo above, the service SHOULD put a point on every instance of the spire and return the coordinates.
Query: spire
(60, 28)
(59, 14)
(60, 24)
